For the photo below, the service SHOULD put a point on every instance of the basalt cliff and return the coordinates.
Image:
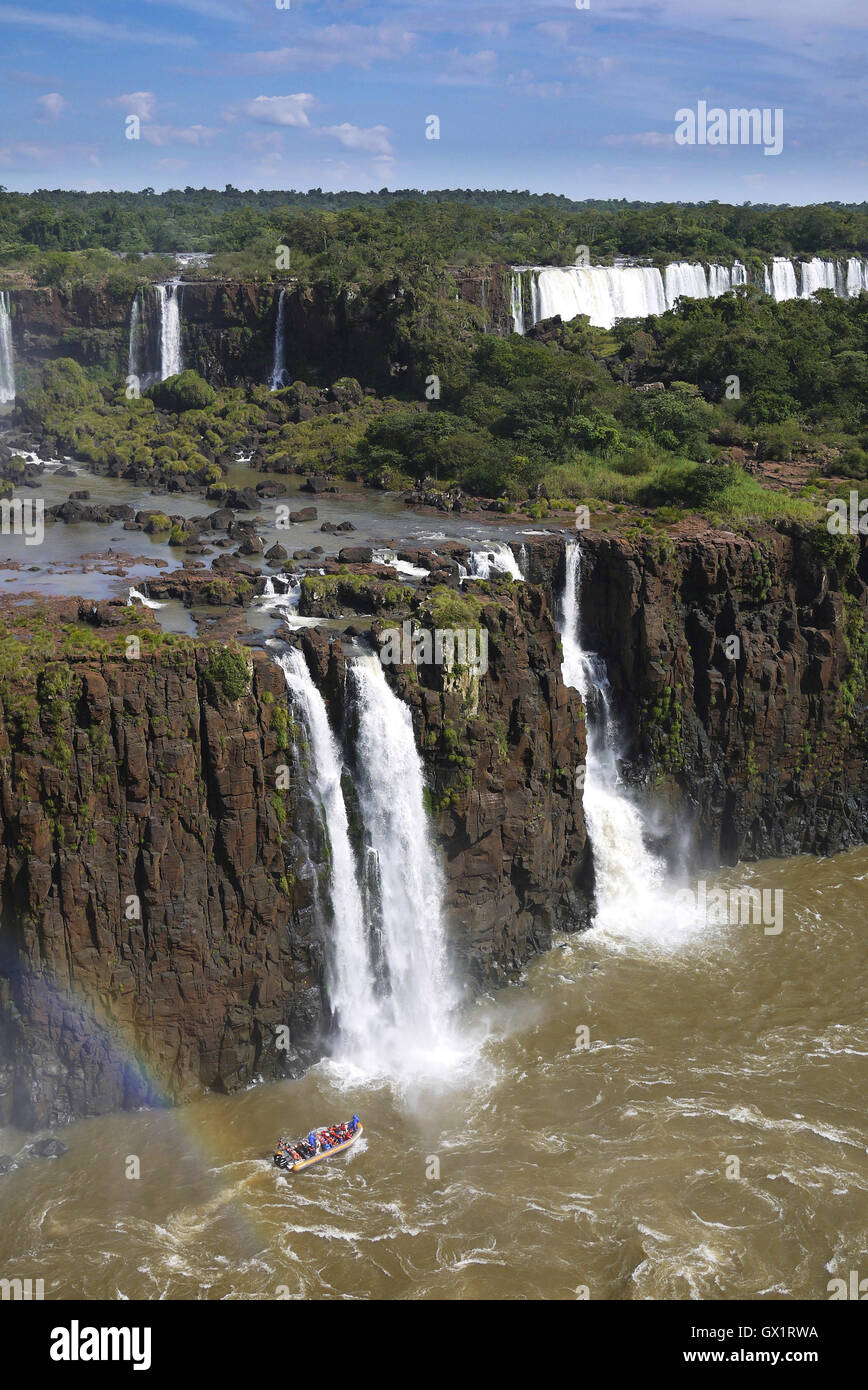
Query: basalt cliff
(161, 889)
(162, 885)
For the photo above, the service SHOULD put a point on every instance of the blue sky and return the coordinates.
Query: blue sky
(335, 94)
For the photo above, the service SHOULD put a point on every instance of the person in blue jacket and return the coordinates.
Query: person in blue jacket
(355, 1123)
(311, 1139)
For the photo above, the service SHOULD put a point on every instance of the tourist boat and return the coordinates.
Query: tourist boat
(324, 1153)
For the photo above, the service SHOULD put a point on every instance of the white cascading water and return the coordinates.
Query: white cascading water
(390, 558)
(414, 1022)
(155, 334)
(818, 275)
(7, 356)
(779, 280)
(856, 276)
(497, 558)
(169, 303)
(393, 1015)
(351, 981)
(604, 293)
(635, 901)
(608, 293)
(134, 356)
(278, 367)
(136, 596)
(515, 304)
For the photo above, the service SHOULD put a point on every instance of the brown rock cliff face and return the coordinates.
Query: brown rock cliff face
(500, 750)
(227, 331)
(152, 786)
(140, 779)
(763, 752)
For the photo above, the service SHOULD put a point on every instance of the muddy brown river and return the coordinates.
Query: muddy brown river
(707, 1143)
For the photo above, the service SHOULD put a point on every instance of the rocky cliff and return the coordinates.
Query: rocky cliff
(738, 669)
(158, 888)
(227, 329)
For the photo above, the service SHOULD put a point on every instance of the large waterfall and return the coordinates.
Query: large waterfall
(608, 293)
(389, 981)
(635, 902)
(392, 794)
(168, 298)
(279, 375)
(155, 333)
(7, 357)
(351, 982)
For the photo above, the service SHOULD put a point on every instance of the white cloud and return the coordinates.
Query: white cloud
(337, 44)
(178, 135)
(53, 105)
(139, 104)
(287, 111)
(373, 140)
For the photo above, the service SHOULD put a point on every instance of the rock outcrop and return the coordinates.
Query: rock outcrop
(159, 929)
(738, 669)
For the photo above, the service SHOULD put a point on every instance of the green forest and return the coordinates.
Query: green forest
(638, 416)
(53, 237)
(677, 414)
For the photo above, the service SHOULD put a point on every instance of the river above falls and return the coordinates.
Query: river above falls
(100, 560)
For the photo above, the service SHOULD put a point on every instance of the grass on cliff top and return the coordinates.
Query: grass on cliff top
(720, 493)
(31, 634)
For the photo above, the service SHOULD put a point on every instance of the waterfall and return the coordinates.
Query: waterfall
(7, 356)
(134, 355)
(634, 901)
(608, 293)
(392, 796)
(818, 275)
(351, 980)
(279, 374)
(604, 293)
(388, 976)
(155, 333)
(857, 276)
(137, 596)
(497, 558)
(169, 302)
(515, 304)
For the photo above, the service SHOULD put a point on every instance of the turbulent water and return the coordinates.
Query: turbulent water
(496, 559)
(7, 356)
(558, 1166)
(662, 1108)
(609, 293)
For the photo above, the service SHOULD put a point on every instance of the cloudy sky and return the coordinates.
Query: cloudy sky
(336, 94)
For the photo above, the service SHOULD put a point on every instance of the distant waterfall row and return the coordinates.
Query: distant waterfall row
(155, 333)
(608, 293)
(388, 976)
(7, 357)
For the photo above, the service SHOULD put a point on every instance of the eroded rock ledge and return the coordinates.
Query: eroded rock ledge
(159, 916)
